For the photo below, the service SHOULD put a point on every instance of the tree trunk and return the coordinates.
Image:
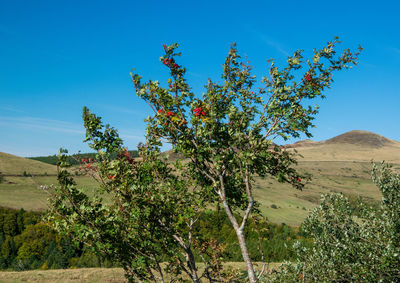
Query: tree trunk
(246, 256)
(192, 266)
(242, 243)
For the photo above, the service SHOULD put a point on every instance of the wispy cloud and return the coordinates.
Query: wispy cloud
(132, 137)
(119, 109)
(270, 42)
(396, 50)
(10, 109)
(49, 125)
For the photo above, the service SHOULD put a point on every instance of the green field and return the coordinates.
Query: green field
(289, 206)
(335, 166)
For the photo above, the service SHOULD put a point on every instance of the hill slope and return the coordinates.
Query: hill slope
(362, 138)
(14, 165)
(351, 146)
(340, 164)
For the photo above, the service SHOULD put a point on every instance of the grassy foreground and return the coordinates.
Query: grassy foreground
(86, 275)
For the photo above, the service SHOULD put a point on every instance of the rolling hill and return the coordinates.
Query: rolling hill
(339, 164)
(360, 146)
(14, 165)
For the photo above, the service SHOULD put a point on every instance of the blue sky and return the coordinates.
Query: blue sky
(58, 56)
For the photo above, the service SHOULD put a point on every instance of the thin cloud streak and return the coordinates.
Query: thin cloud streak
(33, 123)
(396, 50)
(269, 41)
(120, 109)
(11, 109)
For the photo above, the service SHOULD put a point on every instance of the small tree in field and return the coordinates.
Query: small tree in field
(144, 211)
(226, 135)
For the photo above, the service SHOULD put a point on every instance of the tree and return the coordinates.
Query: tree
(226, 136)
(142, 213)
(349, 248)
(145, 209)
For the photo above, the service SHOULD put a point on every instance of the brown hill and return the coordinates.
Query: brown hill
(362, 138)
(301, 144)
(351, 146)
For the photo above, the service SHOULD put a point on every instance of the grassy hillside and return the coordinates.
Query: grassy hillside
(282, 203)
(25, 192)
(279, 202)
(341, 164)
(14, 165)
(359, 146)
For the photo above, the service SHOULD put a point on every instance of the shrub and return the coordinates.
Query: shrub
(347, 248)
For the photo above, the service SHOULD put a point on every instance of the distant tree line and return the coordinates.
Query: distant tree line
(76, 158)
(28, 243)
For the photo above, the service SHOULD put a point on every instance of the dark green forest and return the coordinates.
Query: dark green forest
(26, 242)
(76, 158)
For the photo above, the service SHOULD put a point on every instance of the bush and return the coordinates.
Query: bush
(26, 174)
(349, 247)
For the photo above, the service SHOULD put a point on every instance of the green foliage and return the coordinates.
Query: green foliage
(227, 134)
(277, 240)
(1, 178)
(36, 245)
(147, 220)
(349, 248)
(27, 243)
(33, 241)
(223, 140)
(26, 174)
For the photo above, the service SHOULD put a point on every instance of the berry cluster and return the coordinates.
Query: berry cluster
(87, 165)
(125, 155)
(170, 63)
(308, 77)
(167, 113)
(198, 111)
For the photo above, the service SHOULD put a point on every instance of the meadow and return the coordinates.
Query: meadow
(89, 275)
(280, 203)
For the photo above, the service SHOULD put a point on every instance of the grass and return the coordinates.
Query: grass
(25, 192)
(351, 178)
(351, 152)
(348, 176)
(87, 275)
(14, 165)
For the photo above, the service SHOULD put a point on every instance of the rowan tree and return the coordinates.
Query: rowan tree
(225, 137)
